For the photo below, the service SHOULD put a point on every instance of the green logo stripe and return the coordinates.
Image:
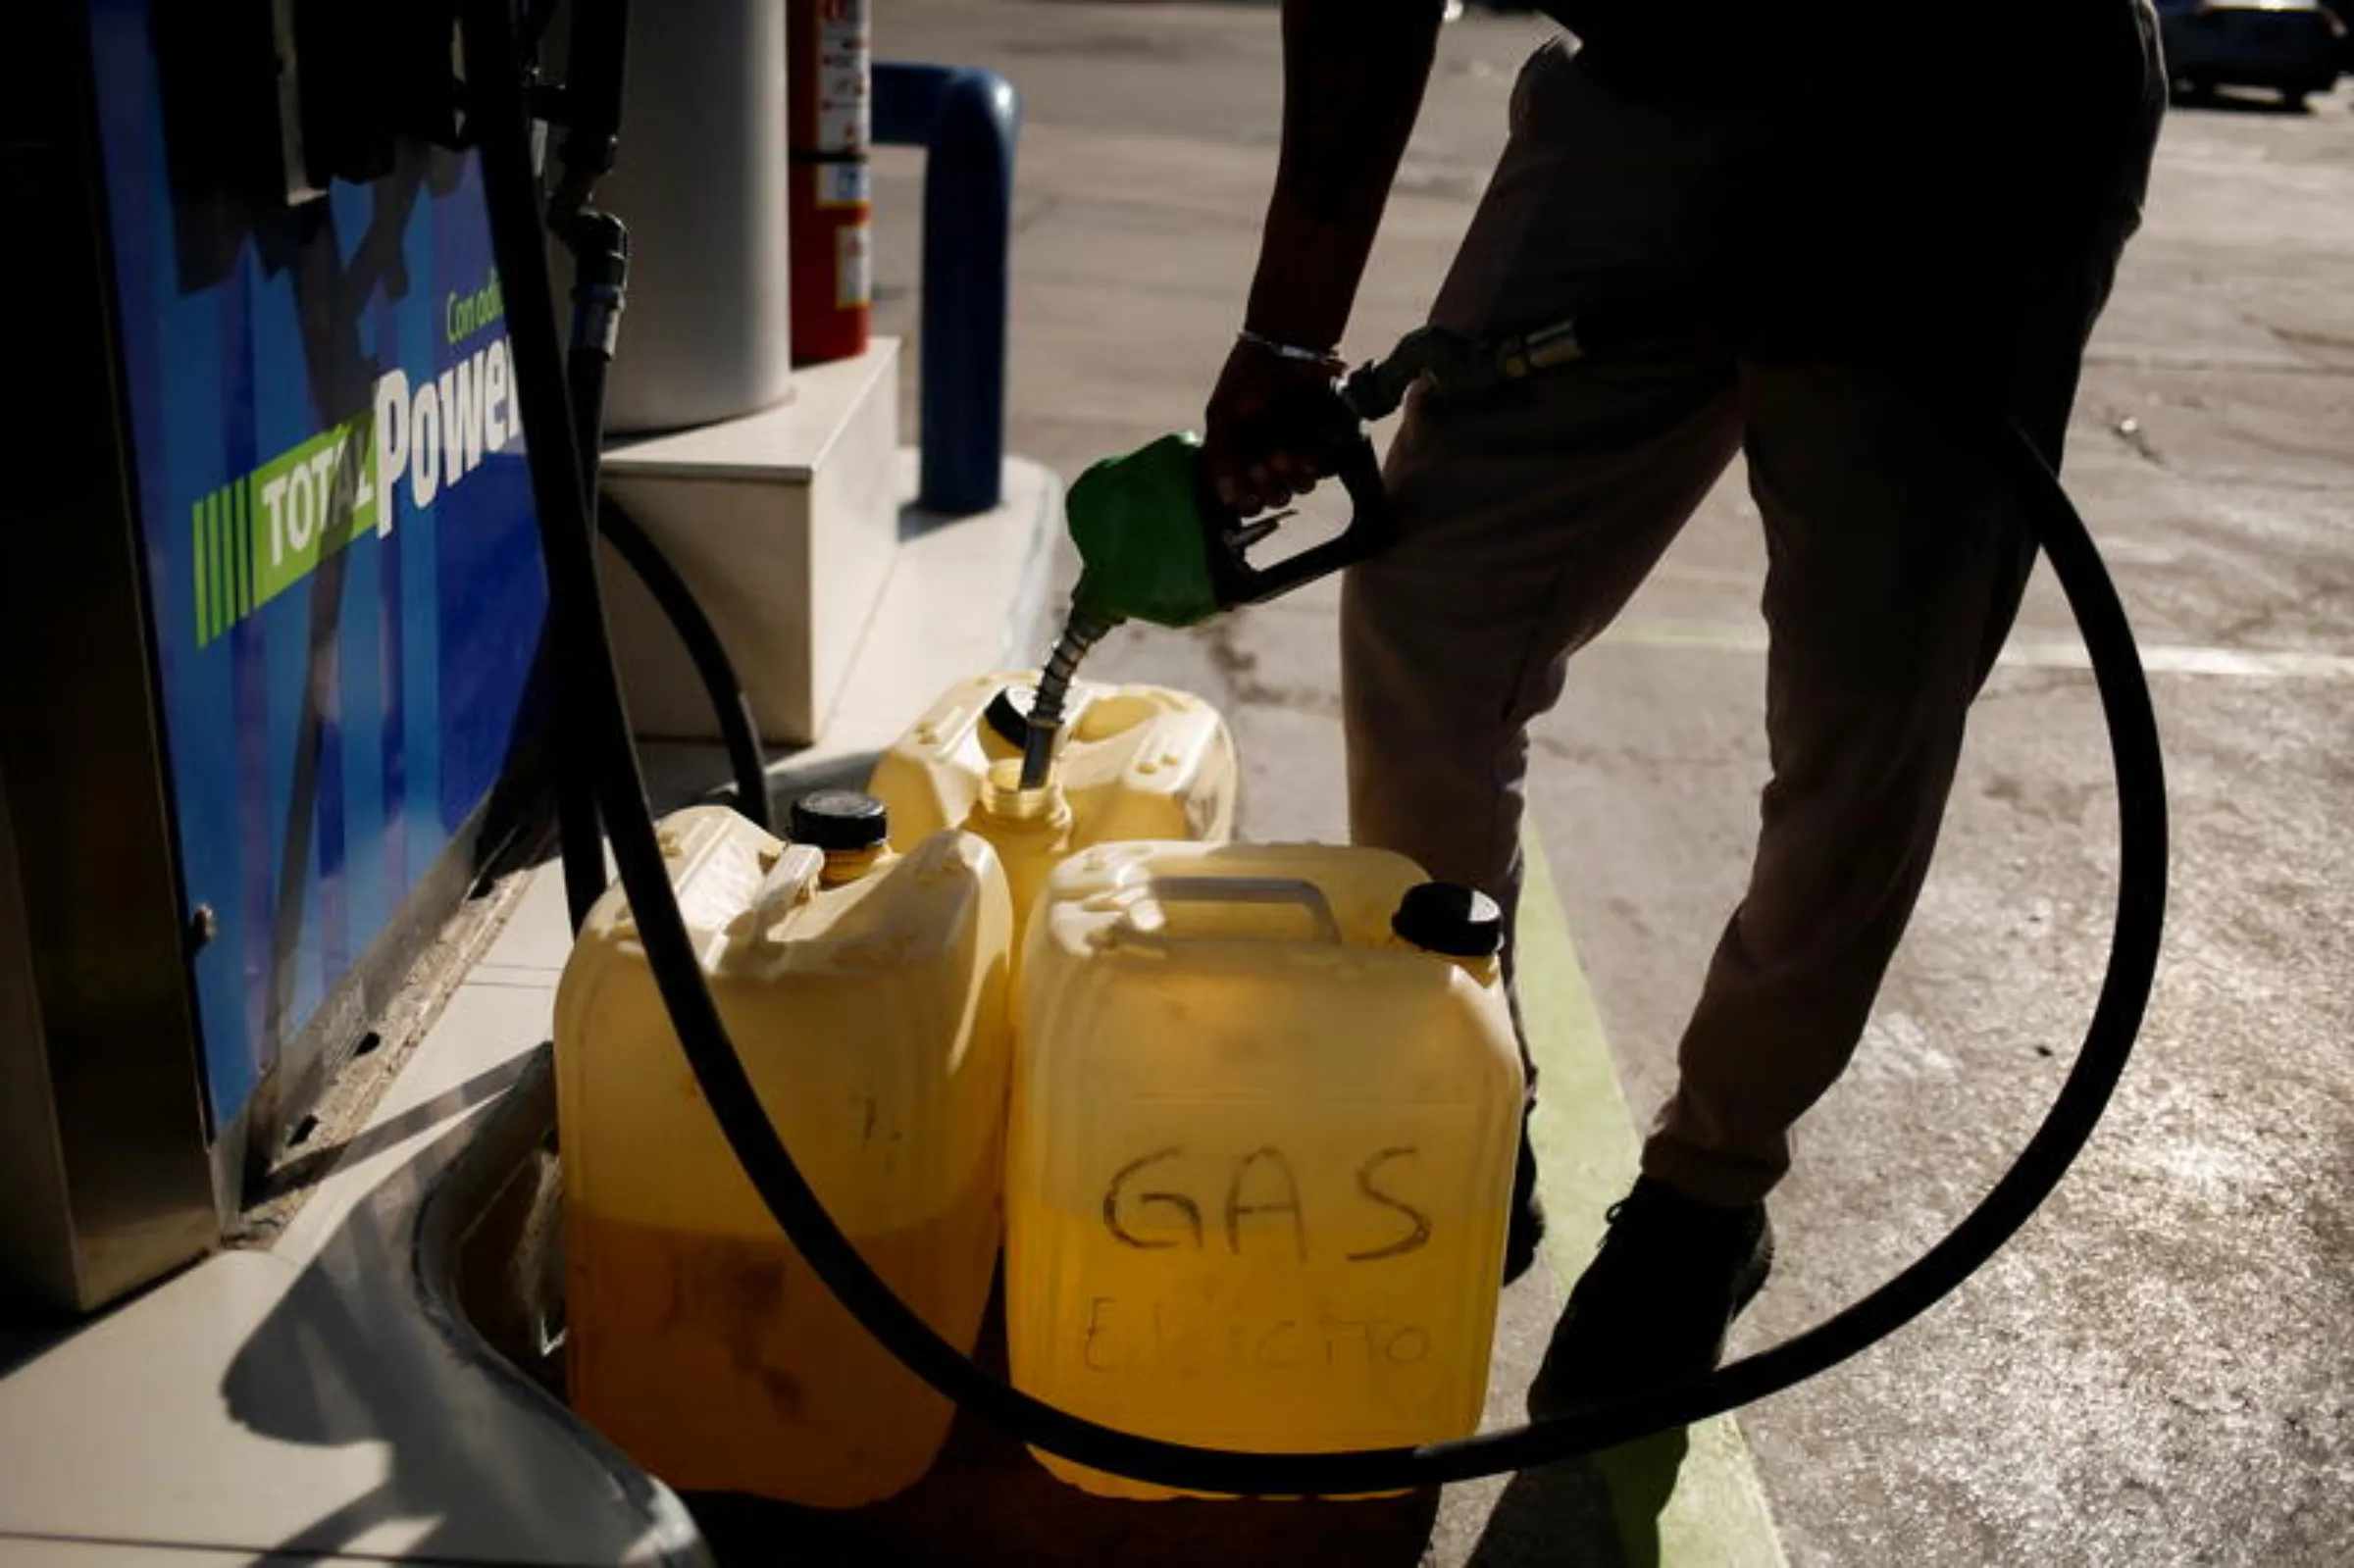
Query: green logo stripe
(257, 536)
(215, 559)
(216, 535)
(241, 498)
(304, 506)
(204, 605)
(225, 562)
(223, 529)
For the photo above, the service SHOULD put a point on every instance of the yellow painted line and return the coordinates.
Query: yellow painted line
(1714, 1513)
(2236, 664)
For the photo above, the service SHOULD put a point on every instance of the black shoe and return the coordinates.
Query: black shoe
(1654, 1307)
(1527, 1225)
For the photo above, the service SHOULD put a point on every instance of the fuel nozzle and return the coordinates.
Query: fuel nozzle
(1156, 544)
(1082, 632)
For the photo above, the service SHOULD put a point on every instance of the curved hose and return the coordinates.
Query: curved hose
(579, 836)
(564, 536)
(600, 249)
(580, 832)
(717, 672)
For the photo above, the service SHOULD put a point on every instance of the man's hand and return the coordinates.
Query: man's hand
(1353, 73)
(1267, 436)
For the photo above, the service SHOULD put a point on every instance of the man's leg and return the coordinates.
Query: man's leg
(1528, 519)
(1896, 564)
(1527, 528)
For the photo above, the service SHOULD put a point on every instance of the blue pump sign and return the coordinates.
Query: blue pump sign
(343, 579)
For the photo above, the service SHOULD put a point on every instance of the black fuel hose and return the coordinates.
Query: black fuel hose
(730, 707)
(581, 834)
(495, 72)
(600, 250)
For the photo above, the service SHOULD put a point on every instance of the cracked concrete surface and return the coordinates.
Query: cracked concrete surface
(2159, 1370)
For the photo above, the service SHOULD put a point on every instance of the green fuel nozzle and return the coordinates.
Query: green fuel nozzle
(1156, 544)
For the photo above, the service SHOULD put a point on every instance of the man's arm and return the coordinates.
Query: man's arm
(1353, 73)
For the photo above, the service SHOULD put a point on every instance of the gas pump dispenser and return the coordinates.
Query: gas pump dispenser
(276, 608)
(276, 604)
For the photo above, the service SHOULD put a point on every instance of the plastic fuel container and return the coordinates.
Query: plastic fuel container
(1265, 1107)
(1135, 762)
(867, 993)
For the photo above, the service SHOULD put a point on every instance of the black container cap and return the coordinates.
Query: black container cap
(1444, 917)
(1009, 716)
(840, 818)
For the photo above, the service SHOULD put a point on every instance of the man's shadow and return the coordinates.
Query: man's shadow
(1598, 1513)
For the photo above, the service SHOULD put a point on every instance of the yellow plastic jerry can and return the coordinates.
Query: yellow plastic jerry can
(866, 993)
(1134, 763)
(1265, 1109)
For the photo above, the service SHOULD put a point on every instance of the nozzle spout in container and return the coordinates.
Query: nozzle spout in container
(1007, 796)
(1081, 632)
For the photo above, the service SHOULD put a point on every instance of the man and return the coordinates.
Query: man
(1863, 207)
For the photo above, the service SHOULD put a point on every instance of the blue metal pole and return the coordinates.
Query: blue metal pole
(967, 121)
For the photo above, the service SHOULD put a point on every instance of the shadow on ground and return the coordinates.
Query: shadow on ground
(1588, 1513)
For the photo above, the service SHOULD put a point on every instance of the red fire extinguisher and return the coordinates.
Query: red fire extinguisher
(831, 211)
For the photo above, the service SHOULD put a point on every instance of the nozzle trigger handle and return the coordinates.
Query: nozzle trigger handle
(1371, 527)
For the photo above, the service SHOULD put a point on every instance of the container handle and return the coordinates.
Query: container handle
(788, 884)
(1296, 891)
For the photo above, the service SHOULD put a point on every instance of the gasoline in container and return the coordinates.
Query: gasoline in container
(866, 994)
(1134, 762)
(1032, 831)
(1266, 1102)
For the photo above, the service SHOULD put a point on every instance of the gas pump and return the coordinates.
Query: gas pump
(275, 593)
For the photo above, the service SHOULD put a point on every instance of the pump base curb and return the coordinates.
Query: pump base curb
(963, 594)
(785, 524)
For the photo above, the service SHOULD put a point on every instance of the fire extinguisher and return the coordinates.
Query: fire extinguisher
(831, 213)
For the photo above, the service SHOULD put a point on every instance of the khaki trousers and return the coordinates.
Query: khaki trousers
(1527, 519)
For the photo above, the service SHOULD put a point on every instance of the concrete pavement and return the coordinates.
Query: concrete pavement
(2159, 1370)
